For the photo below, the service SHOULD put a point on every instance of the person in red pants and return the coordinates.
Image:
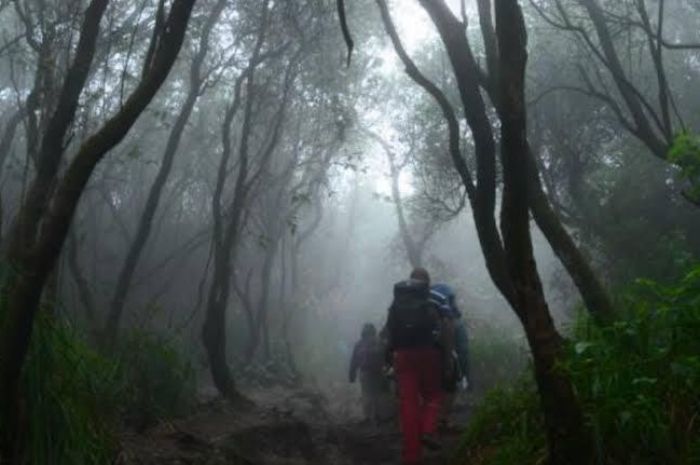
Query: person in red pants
(413, 330)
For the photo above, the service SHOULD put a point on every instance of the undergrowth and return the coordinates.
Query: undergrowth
(496, 355)
(506, 428)
(75, 400)
(158, 381)
(638, 382)
(70, 396)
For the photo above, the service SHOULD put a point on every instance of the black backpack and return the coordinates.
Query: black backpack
(413, 319)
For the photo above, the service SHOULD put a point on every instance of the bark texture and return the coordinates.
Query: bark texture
(568, 440)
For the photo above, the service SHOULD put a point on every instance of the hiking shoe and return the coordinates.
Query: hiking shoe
(431, 442)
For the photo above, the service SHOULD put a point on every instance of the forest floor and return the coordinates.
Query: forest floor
(287, 427)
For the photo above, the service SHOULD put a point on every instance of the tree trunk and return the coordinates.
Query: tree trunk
(226, 235)
(268, 266)
(259, 331)
(287, 308)
(413, 251)
(595, 296)
(225, 242)
(8, 134)
(464, 66)
(214, 330)
(25, 283)
(85, 294)
(592, 291)
(568, 440)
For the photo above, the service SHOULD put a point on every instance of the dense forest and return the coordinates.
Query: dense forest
(209, 207)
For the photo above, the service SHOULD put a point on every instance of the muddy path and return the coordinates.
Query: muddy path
(290, 428)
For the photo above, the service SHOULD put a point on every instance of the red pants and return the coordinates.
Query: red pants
(418, 373)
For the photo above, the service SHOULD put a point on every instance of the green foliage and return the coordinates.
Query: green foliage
(157, 381)
(70, 395)
(506, 429)
(629, 196)
(74, 398)
(638, 382)
(685, 153)
(496, 355)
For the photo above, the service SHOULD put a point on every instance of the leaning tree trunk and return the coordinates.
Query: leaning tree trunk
(38, 235)
(568, 440)
(593, 293)
(595, 296)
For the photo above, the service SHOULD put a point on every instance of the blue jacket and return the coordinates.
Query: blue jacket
(443, 296)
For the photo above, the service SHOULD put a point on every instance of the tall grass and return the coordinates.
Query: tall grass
(75, 400)
(71, 398)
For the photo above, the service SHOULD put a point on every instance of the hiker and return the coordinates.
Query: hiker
(368, 359)
(457, 361)
(413, 329)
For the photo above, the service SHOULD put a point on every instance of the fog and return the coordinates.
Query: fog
(251, 196)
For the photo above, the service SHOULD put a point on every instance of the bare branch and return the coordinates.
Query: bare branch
(437, 94)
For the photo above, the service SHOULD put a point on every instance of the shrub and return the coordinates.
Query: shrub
(638, 382)
(685, 154)
(157, 381)
(70, 394)
(75, 398)
(497, 355)
(506, 428)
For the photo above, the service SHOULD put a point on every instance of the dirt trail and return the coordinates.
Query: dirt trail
(294, 428)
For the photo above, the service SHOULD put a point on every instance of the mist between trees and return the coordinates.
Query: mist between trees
(231, 178)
